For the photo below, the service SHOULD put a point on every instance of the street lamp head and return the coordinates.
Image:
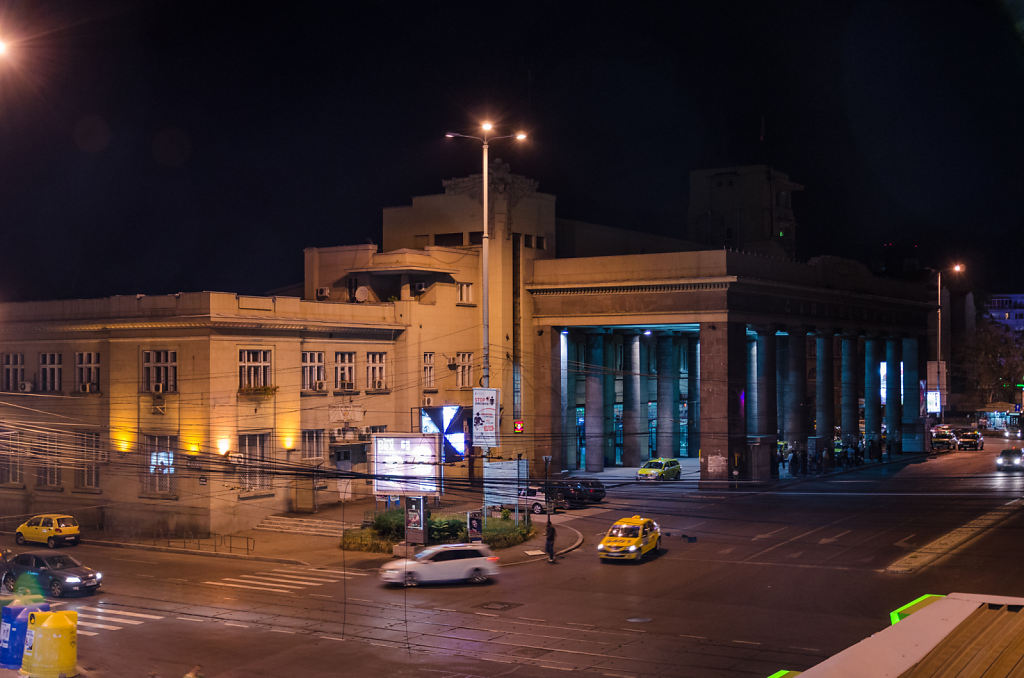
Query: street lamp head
(520, 136)
(487, 127)
(450, 135)
(3, 47)
(958, 268)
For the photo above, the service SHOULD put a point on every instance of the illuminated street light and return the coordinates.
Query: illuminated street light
(956, 268)
(485, 140)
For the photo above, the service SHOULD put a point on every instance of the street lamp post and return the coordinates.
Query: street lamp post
(957, 268)
(485, 140)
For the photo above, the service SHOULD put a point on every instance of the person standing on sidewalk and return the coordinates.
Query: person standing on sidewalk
(549, 541)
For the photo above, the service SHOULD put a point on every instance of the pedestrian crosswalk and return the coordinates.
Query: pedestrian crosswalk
(92, 620)
(286, 579)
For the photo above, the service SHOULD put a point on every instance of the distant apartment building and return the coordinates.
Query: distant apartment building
(1007, 309)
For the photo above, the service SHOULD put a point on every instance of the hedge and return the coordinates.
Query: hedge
(388, 528)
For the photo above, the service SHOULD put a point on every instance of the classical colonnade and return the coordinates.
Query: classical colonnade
(743, 386)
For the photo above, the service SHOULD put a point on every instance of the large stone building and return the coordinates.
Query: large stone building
(205, 412)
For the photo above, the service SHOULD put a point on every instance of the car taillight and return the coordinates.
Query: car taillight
(493, 559)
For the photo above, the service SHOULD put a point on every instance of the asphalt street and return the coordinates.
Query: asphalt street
(752, 580)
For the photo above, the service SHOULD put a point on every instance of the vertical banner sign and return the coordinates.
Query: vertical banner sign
(414, 521)
(475, 525)
(486, 403)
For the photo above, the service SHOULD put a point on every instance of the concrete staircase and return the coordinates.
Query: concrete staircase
(312, 526)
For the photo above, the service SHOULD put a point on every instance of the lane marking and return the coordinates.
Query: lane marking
(195, 619)
(94, 625)
(280, 631)
(87, 633)
(254, 588)
(278, 578)
(526, 618)
(112, 610)
(317, 571)
(905, 542)
(485, 614)
(745, 642)
(274, 584)
(766, 535)
(686, 635)
(330, 637)
(101, 617)
(319, 595)
(829, 540)
(243, 626)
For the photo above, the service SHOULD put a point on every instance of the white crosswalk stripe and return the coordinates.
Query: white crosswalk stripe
(121, 613)
(94, 625)
(102, 617)
(253, 587)
(106, 618)
(285, 579)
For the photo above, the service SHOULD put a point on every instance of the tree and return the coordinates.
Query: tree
(992, 362)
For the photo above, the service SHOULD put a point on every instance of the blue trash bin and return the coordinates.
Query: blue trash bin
(13, 624)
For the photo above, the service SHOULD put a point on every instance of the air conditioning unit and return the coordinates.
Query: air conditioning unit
(379, 385)
(419, 287)
(428, 401)
(320, 386)
(25, 386)
(323, 293)
(347, 385)
(157, 388)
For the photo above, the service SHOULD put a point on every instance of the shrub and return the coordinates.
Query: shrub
(365, 539)
(390, 524)
(506, 513)
(446, 529)
(499, 534)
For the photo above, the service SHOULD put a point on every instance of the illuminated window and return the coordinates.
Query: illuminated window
(253, 473)
(50, 372)
(345, 370)
(463, 370)
(376, 370)
(87, 370)
(13, 372)
(313, 369)
(158, 464)
(313, 444)
(254, 368)
(428, 370)
(160, 367)
(87, 457)
(48, 452)
(465, 291)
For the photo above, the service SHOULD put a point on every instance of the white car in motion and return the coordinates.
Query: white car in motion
(475, 563)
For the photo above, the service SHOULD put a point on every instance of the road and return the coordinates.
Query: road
(751, 581)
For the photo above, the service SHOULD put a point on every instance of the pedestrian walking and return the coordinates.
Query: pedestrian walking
(549, 541)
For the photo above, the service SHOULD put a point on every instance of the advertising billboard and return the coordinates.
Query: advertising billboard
(406, 464)
(486, 404)
(452, 422)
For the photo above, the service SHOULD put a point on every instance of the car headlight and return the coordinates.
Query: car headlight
(600, 547)
(73, 580)
(1016, 461)
(632, 547)
(99, 575)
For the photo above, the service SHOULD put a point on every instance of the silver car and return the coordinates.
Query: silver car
(475, 563)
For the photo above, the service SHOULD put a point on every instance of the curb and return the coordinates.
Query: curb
(572, 547)
(195, 552)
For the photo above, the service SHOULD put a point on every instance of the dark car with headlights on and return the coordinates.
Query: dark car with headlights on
(54, 573)
(1010, 460)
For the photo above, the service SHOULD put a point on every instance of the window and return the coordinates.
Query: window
(48, 468)
(345, 370)
(376, 371)
(10, 458)
(313, 370)
(463, 370)
(13, 371)
(313, 444)
(87, 370)
(465, 292)
(160, 367)
(528, 240)
(87, 457)
(49, 371)
(428, 370)
(158, 464)
(253, 368)
(540, 242)
(252, 471)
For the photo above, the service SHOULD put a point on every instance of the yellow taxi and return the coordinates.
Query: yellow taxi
(50, 529)
(630, 539)
(659, 469)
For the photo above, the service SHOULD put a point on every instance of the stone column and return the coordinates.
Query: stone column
(645, 395)
(892, 392)
(848, 422)
(824, 390)
(782, 384)
(668, 397)
(796, 382)
(634, 419)
(610, 368)
(574, 359)
(913, 426)
(766, 416)
(723, 354)
(693, 391)
(872, 391)
(594, 416)
(750, 392)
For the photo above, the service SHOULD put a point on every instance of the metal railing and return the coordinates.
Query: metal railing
(218, 543)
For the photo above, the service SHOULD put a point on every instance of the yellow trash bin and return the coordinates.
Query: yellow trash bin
(51, 645)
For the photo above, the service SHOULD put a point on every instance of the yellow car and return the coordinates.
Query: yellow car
(630, 539)
(659, 469)
(50, 529)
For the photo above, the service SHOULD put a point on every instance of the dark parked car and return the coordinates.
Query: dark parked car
(1010, 460)
(594, 489)
(571, 492)
(54, 573)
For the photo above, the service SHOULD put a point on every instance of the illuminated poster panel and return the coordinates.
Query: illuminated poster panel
(406, 465)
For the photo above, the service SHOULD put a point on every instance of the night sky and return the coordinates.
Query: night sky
(180, 146)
